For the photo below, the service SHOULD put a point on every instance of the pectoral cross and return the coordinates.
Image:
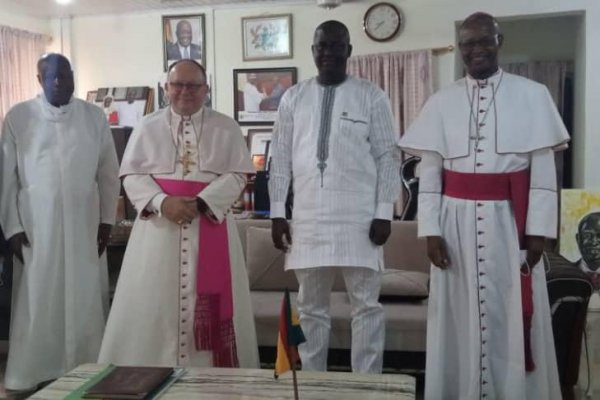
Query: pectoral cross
(477, 135)
(186, 162)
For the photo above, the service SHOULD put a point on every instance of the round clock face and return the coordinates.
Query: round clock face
(382, 21)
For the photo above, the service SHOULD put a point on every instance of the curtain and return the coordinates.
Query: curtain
(553, 74)
(19, 53)
(406, 78)
(550, 73)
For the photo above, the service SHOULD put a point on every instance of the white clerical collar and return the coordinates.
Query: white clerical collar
(494, 79)
(175, 120)
(194, 117)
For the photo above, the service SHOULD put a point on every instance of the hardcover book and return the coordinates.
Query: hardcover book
(130, 383)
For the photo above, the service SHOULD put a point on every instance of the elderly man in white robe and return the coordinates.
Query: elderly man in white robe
(487, 201)
(335, 135)
(59, 190)
(183, 297)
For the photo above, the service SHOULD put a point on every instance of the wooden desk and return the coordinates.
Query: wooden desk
(257, 384)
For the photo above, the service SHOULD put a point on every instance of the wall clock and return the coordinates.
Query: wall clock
(382, 21)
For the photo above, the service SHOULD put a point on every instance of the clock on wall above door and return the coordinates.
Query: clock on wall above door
(382, 21)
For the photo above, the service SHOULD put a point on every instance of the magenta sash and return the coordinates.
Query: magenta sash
(213, 315)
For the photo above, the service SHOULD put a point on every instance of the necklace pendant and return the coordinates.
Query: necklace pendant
(186, 163)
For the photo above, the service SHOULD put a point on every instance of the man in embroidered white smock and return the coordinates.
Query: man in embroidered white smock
(182, 297)
(488, 189)
(59, 190)
(335, 135)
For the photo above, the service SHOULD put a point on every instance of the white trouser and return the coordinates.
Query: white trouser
(368, 331)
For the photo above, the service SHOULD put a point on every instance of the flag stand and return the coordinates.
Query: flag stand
(294, 380)
(290, 335)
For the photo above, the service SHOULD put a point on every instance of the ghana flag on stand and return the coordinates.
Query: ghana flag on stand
(290, 336)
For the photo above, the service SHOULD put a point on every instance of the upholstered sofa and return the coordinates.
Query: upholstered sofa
(404, 288)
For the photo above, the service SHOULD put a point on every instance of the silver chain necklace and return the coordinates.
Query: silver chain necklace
(472, 116)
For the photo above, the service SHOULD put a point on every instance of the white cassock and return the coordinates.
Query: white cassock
(475, 345)
(152, 315)
(59, 181)
(338, 143)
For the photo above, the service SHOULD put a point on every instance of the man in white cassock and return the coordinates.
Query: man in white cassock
(335, 135)
(59, 187)
(183, 296)
(487, 201)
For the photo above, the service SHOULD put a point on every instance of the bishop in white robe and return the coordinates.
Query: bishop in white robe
(488, 183)
(182, 296)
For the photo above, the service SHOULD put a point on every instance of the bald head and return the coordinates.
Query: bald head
(56, 78)
(186, 87)
(52, 60)
(193, 63)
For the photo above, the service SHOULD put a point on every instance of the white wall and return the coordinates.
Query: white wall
(127, 50)
(19, 19)
(539, 39)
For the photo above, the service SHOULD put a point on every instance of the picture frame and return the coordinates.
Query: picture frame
(91, 96)
(136, 93)
(268, 155)
(576, 204)
(267, 37)
(259, 142)
(101, 93)
(258, 91)
(120, 93)
(184, 36)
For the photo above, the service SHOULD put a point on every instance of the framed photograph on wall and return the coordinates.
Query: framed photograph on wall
(101, 93)
(91, 96)
(257, 93)
(183, 37)
(120, 93)
(267, 37)
(259, 141)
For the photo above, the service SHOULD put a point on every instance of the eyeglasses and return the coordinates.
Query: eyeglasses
(192, 87)
(489, 41)
(334, 47)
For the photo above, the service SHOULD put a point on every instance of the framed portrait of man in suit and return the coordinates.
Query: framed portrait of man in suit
(183, 37)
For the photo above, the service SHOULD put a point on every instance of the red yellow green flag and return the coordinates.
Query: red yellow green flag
(290, 336)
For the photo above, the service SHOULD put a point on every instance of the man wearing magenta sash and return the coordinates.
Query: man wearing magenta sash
(182, 297)
(487, 201)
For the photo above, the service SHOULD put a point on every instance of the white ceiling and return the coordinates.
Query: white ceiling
(49, 8)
